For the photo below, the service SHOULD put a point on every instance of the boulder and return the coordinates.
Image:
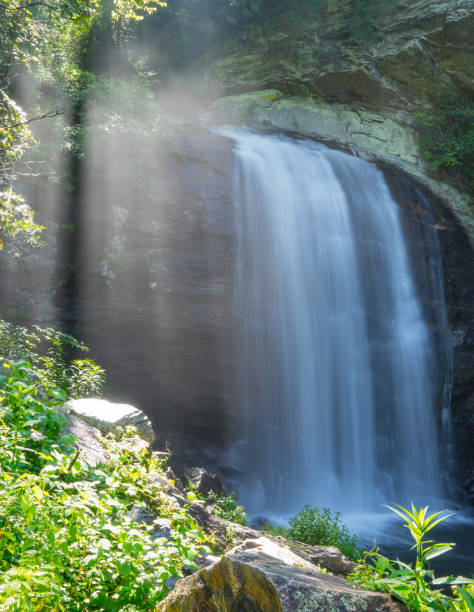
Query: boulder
(108, 416)
(161, 526)
(210, 524)
(226, 586)
(328, 557)
(89, 442)
(87, 439)
(221, 530)
(205, 482)
(303, 587)
(178, 483)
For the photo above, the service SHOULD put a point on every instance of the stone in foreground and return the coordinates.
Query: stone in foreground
(107, 416)
(303, 587)
(227, 586)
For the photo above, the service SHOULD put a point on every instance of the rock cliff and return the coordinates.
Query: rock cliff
(154, 274)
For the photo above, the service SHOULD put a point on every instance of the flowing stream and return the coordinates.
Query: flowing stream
(337, 401)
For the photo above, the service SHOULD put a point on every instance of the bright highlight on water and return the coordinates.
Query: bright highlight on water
(337, 362)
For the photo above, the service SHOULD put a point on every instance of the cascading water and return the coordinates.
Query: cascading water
(336, 362)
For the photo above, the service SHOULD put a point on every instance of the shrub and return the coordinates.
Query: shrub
(320, 527)
(275, 530)
(227, 508)
(17, 225)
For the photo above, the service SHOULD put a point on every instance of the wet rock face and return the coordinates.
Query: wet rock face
(161, 285)
(155, 291)
(430, 226)
(404, 52)
(152, 280)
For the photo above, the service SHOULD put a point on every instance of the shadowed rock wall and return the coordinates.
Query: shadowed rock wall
(154, 280)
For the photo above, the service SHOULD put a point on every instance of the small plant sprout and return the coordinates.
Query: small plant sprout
(416, 586)
(419, 523)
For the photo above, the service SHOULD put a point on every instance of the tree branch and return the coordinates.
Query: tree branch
(47, 115)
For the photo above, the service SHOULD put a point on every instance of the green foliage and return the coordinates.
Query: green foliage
(17, 227)
(44, 36)
(447, 138)
(322, 527)
(415, 585)
(316, 526)
(275, 530)
(14, 131)
(227, 508)
(464, 598)
(67, 541)
(45, 351)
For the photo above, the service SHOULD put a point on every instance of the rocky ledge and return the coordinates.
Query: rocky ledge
(377, 135)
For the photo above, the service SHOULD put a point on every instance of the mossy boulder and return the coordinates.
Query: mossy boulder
(226, 586)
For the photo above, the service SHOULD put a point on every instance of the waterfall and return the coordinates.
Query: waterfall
(336, 363)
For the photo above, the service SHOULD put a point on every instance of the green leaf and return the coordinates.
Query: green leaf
(440, 520)
(437, 549)
(468, 598)
(124, 569)
(402, 513)
(452, 580)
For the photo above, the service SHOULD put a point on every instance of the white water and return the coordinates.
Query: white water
(337, 365)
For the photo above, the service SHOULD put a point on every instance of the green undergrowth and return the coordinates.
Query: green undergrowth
(316, 526)
(67, 539)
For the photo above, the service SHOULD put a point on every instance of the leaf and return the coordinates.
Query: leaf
(38, 493)
(443, 518)
(468, 598)
(402, 513)
(399, 596)
(452, 580)
(58, 394)
(105, 544)
(124, 568)
(438, 549)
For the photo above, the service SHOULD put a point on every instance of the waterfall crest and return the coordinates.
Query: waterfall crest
(337, 364)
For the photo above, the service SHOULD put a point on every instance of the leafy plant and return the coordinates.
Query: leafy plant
(227, 508)
(45, 349)
(316, 526)
(415, 586)
(322, 527)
